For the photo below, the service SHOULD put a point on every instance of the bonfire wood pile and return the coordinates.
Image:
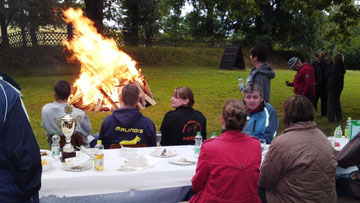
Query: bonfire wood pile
(146, 99)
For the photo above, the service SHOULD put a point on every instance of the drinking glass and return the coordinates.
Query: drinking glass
(263, 144)
(158, 138)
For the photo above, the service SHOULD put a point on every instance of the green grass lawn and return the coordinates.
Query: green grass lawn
(211, 87)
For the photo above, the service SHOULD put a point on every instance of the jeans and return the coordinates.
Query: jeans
(262, 195)
(94, 141)
(343, 187)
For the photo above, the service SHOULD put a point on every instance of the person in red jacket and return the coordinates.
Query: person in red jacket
(304, 80)
(228, 166)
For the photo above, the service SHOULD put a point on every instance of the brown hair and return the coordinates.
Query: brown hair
(297, 109)
(234, 114)
(259, 51)
(130, 94)
(62, 89)
(339, 58)
(185, 93)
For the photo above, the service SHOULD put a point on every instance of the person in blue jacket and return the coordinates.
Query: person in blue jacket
(263, 121)
(127, 123)
(20, 161)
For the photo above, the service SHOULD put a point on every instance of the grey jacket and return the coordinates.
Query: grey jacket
(300, 166)
(262, 77)
(51, 111)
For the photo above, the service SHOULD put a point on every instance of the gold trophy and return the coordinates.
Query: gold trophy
(67, 125)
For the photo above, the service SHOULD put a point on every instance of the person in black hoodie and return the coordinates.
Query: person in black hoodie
(128, 123)
(262, 73)
(180, 126)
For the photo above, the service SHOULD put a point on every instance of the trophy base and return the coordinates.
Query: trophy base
(66, 155)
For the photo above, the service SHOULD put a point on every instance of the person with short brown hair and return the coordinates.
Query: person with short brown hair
(128, 123)
(180, 126)
(228, 166)
(300, 165)
(52, 111)
(262, 73)
(263, 122)
(320, 67)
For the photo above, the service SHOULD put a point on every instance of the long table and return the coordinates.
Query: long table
(339, 170)
(163, 182)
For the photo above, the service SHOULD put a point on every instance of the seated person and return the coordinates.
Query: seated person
(263, 122)
(300, 165)
(52, 111)
(347, 185)
(20, 162)
(127, 124)
(234, 157)
(179, 127)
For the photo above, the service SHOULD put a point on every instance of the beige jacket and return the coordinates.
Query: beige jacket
(300, 166)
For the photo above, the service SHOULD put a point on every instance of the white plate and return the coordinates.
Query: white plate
(45, 152)
(158, 152)
(186, 161)
(47, 162)
(88, 165)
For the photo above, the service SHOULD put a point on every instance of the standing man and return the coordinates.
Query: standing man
(304, 80)
(320, 67)
(127, 123)
(20, 162)
(262, 73)
(52, 111)
(263, 122)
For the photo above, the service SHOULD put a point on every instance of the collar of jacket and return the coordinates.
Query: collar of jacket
(259, 108)
(232, 135)
(300, 125)
(184, 107)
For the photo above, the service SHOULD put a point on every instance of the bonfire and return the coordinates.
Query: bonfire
(105, 69)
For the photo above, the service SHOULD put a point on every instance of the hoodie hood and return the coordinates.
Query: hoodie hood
(127, 116)
(266, 70)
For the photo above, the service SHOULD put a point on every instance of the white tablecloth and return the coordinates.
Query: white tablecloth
(59, 183)
(339, 170)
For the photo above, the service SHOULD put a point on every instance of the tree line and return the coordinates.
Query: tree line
(305, 26)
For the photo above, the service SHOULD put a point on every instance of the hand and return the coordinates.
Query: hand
(289, 84)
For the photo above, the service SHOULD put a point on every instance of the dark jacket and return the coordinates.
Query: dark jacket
(299, 166)
(20, 162)
(180, 126)
(350, 156)
(127, 124)
(262, 77)
(319, 73)
(335, 74)
(304, 81)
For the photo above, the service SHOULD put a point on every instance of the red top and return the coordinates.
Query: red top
(228, 169)
(304, 81)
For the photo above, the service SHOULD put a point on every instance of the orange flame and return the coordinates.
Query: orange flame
(103, 64)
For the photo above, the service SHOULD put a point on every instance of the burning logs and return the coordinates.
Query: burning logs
(146, 99)
(108, 98)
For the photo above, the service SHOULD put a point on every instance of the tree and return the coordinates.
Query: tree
(94, 11)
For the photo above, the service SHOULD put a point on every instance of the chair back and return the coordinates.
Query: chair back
(76, 140)
(116, 146)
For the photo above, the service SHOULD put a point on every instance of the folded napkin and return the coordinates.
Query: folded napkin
(80, 162)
